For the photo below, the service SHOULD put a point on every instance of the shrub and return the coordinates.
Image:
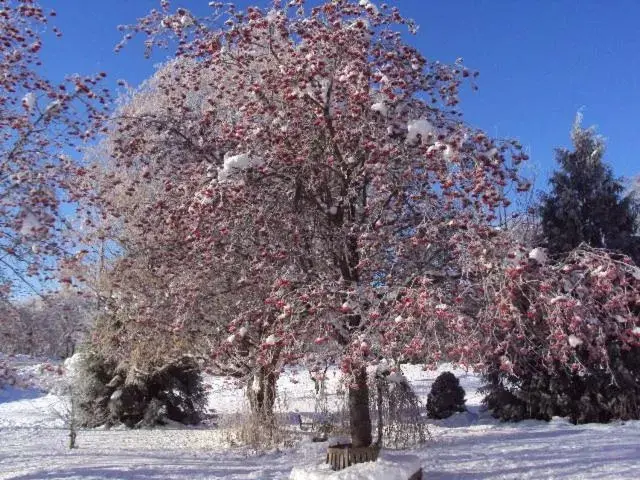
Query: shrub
(110, 394)
(446, 397)
(582, 398)
(90, 374)
(564, 339)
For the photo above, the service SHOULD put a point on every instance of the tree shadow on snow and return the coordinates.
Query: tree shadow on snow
(187, 471)
(13, 394)
(541, 454)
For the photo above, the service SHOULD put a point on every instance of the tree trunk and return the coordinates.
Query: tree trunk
(261, 391)
(347, 260)
(379, 399)
(359, 416)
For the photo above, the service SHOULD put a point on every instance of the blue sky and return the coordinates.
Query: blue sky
(539, 61)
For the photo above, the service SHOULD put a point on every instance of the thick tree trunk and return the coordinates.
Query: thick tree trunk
(261, 392)
(359, 416)
(347, 259)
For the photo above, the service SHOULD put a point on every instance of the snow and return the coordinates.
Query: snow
(235, 163)
(575, 341)
(255, 384)
(53, 108)
(211, 171)
(468, 445)
(356, 25)
(272, 15)
(380, 107)
(419, 127)
(346, 307)
(388, 467)
(441, 148)
(29, 101)
(539, 255)
(186, 20)
(271, 340)
(72, 364)
(30, 225)
(369, 6)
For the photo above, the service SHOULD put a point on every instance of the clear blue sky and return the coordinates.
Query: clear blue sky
(540, 61)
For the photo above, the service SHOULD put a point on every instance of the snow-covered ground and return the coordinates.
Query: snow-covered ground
(33, 442)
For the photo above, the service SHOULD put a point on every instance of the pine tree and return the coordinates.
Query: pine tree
(587, 204)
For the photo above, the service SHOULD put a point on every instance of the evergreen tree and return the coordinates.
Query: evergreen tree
(635, 195)
(586, 203)
(446, 397)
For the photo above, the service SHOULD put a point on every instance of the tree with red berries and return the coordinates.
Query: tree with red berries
(39, 122)
(320, 159)
(179, 296)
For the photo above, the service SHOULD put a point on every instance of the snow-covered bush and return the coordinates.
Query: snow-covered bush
(564, 339)
(446, 397)
(113, 394)
(397, 410)
(89, 374)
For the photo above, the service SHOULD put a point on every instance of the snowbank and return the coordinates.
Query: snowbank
(388, 467)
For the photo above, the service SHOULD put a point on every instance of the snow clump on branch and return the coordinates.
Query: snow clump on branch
(235, 163)
(419, 127)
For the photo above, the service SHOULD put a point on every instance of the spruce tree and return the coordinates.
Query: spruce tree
(587, 204)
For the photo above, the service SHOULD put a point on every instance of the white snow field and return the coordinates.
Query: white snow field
(33, 444)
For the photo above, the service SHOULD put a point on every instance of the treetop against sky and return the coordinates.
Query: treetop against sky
(539, 64)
